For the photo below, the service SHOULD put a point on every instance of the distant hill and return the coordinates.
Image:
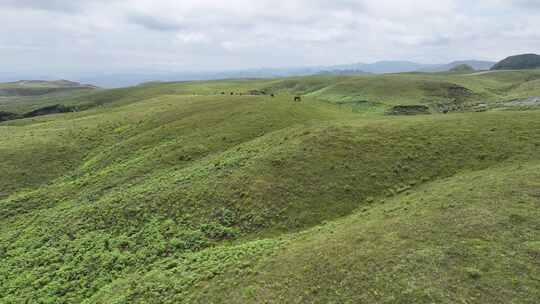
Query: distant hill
(44, 84)
(462, 68)
(380, 67)
(111, 80)
(475, 64)
(519, 62)
(343, 72)
(40, 87)
(384, 67)
(478, 65)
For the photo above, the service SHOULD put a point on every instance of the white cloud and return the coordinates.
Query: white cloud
(122, 35)
(192, 38)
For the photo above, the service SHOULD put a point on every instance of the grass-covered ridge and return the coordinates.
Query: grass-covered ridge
(174, 192)
(519, 62)
(372, 92)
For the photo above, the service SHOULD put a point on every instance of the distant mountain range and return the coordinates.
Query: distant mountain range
(381, 67)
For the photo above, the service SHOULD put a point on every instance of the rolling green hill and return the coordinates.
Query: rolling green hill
(184, 193)
(519, 62)
(21, 97)
(42, 84)
(462, 68)
(363, 92)
(37, 87)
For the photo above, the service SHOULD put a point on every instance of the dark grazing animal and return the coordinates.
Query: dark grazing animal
(297, 98)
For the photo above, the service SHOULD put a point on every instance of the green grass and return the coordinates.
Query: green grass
(466, 239)
(381, 91)
(24, 96)
(175, 193)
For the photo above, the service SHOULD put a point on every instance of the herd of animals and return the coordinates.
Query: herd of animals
(256, 92)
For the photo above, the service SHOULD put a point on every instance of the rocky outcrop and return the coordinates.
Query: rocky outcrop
(409, 110)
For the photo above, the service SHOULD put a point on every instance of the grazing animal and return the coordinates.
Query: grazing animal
(232, 93)
(272, 95)
(297, 98)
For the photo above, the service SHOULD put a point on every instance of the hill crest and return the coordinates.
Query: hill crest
(519, 62)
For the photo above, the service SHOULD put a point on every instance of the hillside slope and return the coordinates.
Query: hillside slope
(462, 68)
(38, 87)
(176, 193)
(20, 97)
(518, 62)
(466, 239)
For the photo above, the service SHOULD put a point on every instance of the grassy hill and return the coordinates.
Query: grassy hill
(462, 68)
(519, 62)
(177, 193)
(367, 92)
(38, 87)
(20, 97)
(42, 84)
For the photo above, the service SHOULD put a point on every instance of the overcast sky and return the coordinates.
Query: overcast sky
(88, 36)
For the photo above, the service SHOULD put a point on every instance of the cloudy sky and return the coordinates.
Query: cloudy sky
(63, 37)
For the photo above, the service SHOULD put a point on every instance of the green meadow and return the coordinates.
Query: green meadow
(183, 193)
